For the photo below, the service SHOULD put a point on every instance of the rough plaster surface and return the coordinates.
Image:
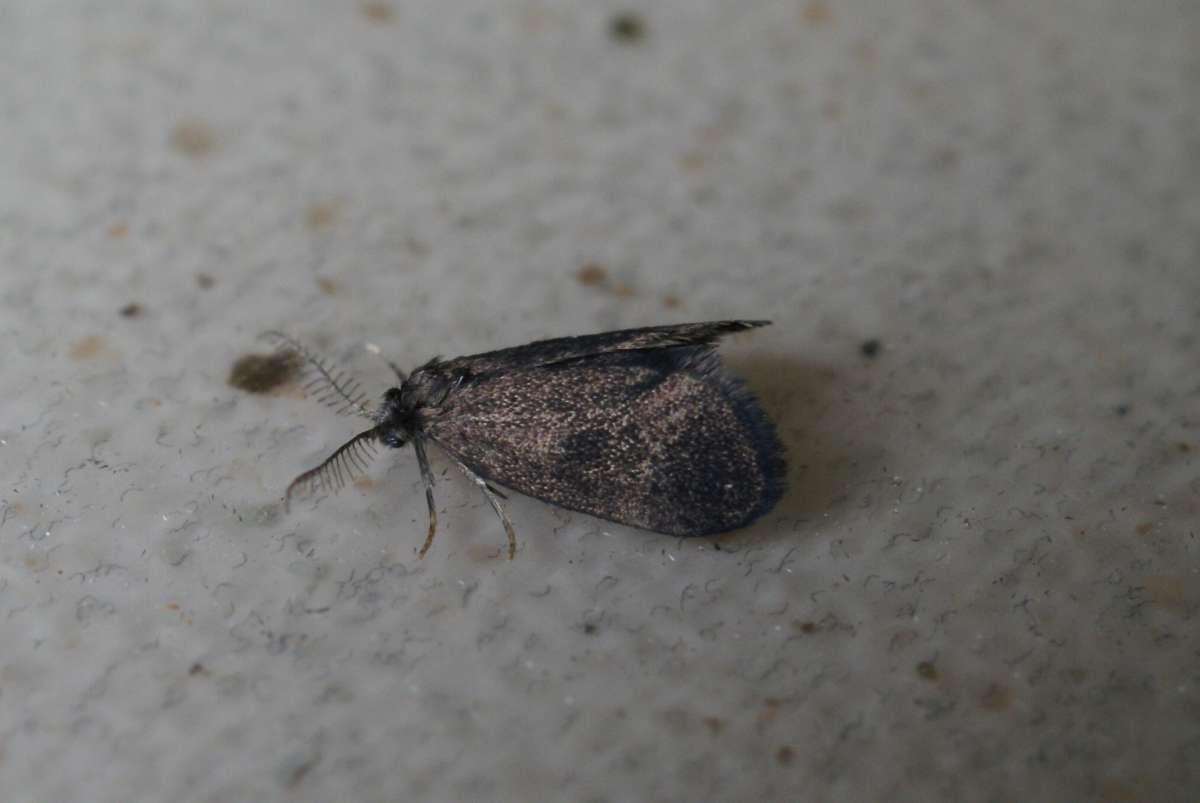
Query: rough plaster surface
(982, 585)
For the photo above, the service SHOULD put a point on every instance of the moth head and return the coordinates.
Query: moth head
(394, 419)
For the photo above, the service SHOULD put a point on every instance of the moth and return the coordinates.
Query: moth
(642, 427)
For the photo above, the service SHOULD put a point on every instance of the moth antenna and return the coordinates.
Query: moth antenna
(340, 468)
(333, 388)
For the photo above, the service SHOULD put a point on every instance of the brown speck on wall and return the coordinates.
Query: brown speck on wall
(262, 373)
(321, 216)
(996, 698)
(193, 138)
(592, 275)
(627, 27)
(378, 12)
(816, 12)
(927, 670)
(87, 348)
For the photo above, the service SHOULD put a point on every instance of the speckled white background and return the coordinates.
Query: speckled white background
(983, 584)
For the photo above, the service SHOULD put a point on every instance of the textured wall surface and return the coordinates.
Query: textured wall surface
(983, 584)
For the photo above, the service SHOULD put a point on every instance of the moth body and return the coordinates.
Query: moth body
(642, 427)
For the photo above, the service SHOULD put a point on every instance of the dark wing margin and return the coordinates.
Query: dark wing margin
(665, 440)
(560, 349)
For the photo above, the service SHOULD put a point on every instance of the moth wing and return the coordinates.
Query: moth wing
(545, 352)
(664, 440)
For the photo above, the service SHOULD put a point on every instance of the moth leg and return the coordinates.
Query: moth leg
(491, 495)
(399, 373)
(427, 476)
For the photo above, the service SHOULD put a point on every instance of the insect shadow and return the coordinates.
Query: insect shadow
(832, 441)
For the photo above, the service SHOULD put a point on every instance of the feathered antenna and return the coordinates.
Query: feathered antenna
(339, 468)
(333, 388)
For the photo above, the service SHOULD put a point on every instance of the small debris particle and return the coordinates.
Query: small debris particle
(1144, 528)
(670, 302)
(205, 282)
(807, 628)
(871, 348)
(262, 373)
(927, 670)
(132, 310)
(378, 12)
(996, 698)
(327, 286)
(198, 669)
(172, 606)
(946, 158)
(714, 724)
(87, 348)
(193, 138)
(321, 216)
(592, 275)
(1122, 410)
(785, 755)
(1183, 447)
(816, 12)
(627, 27)
(589, 628)
(118, 230)
(771, 706)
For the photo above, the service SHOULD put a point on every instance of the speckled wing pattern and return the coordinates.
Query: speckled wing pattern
(642, 427)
